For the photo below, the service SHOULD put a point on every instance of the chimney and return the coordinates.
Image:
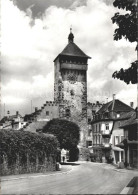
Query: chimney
(131, 104)
(17, 113)
(113, 101)
(113, 104)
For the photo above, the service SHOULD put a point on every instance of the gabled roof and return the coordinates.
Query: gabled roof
(72, 50)
(127, 115)
(131, 121)
(118, 107)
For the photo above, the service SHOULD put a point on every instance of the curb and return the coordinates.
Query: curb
(34, 176)
(127, 190)
(130, 187)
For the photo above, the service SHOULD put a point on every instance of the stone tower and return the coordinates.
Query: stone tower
(70, 85)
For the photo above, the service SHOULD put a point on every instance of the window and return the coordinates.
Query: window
(106, 140)
(89, 143)
(89, 120)
(107, 126)
(122, 138)
(118, 115)
(126, 134)
(106, 114)
(99, 139)
(47, 113)
(99, 127)
(67, 112)
(89, 132)
(72, 92)
(93, 112)
(116, 140)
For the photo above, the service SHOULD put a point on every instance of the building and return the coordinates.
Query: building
(130, 142)
(14, 122)
(117, 136)
(105, 130)
(70, 85)
(92, 108)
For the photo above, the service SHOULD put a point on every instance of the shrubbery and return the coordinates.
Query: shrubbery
(23, 144)
(67, 132)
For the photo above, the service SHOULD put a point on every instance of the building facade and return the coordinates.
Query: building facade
(130, 141)
(106, 133)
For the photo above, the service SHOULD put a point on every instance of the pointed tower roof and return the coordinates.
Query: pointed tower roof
(72, 49)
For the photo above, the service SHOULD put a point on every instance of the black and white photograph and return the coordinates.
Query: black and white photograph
(68, 97)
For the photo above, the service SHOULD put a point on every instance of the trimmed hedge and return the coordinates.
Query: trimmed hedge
(23, 143)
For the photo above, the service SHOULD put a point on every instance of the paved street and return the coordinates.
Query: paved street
(86, 178)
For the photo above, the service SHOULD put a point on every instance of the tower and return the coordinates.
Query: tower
(70, 85)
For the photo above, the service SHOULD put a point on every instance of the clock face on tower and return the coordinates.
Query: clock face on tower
(72, 77)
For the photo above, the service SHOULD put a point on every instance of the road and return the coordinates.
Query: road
(85, 178)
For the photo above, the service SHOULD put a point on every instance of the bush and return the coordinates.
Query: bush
(67, 132)
(73, 154)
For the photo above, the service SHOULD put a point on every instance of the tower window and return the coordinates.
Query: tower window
(47, 113)
(72, 92)
(71, 77)
(89, 120)
(67, 112)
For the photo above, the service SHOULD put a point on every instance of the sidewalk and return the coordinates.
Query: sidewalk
(64, 169)
(132, 187)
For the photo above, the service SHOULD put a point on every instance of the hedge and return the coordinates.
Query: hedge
(23, 143)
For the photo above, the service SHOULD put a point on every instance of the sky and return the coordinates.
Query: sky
(34, 32)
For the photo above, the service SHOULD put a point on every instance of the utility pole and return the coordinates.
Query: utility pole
(4, 109)
(107, 100)
(31, 106)
(0, 95)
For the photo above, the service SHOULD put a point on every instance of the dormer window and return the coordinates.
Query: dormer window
(118, 115)
(106, 114)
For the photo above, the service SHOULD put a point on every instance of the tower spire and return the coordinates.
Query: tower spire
(71, 36)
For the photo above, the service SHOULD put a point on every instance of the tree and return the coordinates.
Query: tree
(127, 28)
(67, 132)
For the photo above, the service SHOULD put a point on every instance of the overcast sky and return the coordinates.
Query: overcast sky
(34, 32)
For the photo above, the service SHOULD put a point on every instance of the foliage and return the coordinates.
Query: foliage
(66, 132)
(127, 28)
(23, 143)
(127, 75)
(73, 154)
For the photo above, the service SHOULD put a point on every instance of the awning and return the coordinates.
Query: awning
(115, 148)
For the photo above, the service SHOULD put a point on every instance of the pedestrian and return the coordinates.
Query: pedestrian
(63, 159)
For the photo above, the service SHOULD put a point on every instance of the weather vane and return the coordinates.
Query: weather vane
(71, 29)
